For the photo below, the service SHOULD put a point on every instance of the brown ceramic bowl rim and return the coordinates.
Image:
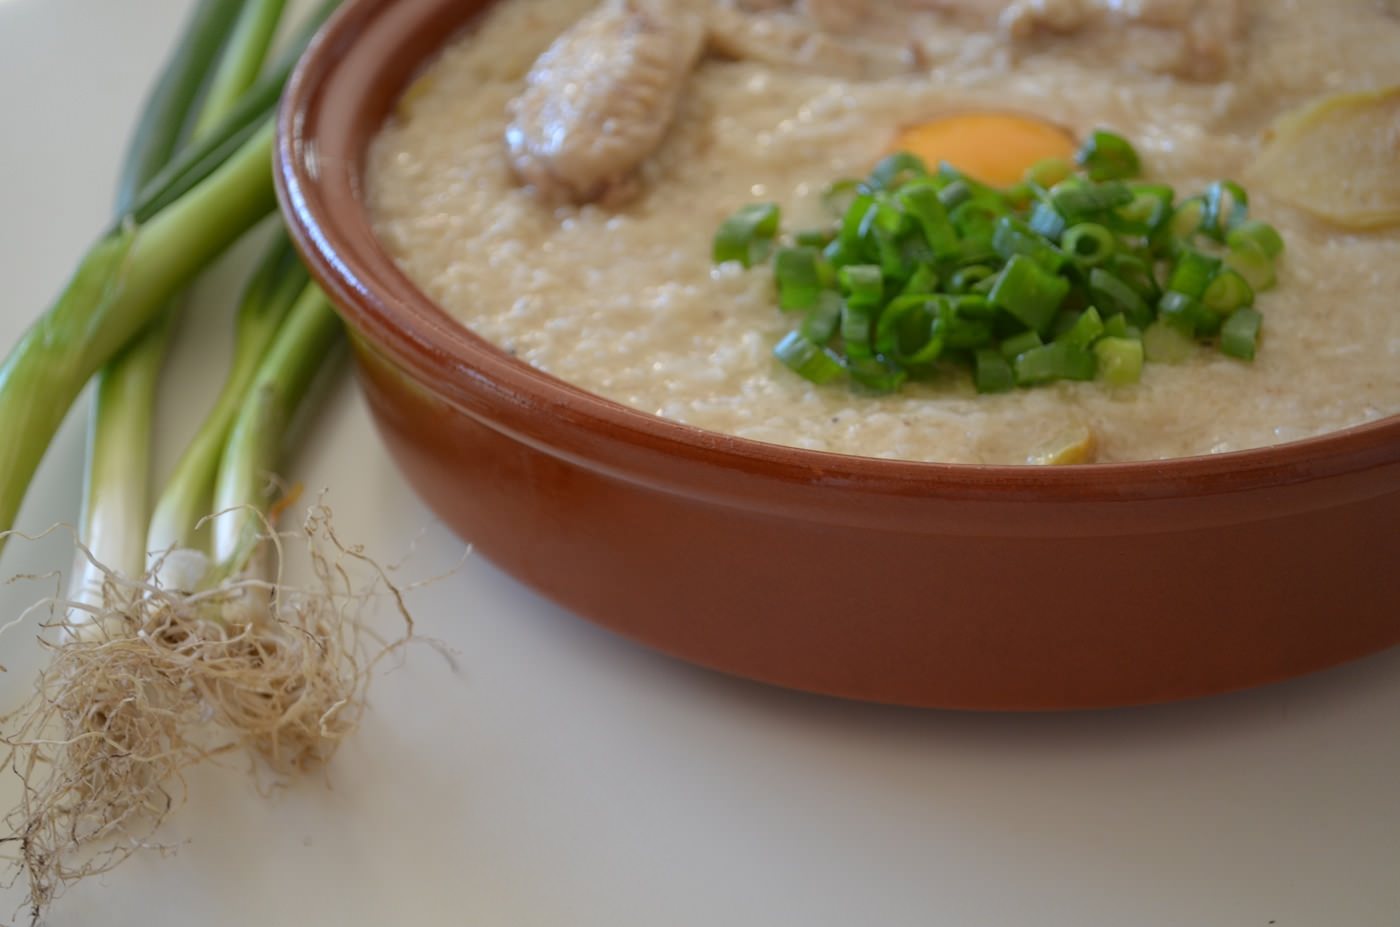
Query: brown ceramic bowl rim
(400, 321)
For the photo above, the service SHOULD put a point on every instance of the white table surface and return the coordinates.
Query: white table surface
(565, 778)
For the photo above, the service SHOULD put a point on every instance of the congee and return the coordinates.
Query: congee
(555, 179)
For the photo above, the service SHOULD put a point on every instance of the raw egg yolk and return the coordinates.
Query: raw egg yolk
(995, 148)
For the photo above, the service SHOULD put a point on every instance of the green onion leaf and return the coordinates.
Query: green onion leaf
(1012, 237)
(1227, 206)
(1188, 219)
(1045, 174)
(1253, 232)
(1161, 343)
(1107, 156)
(1055, 361)
(876, 375)
(965, 279)
(807, 359)
(824, 318)
(1020, 344)
(1240, 335)
(1047, 221)
(1186, 314)
(921, 201)
(1088, 327)
(992, 373)
(1249, 259)
(1029, 292)
(1079, 200)
(1193, 273)
(1227, 292)
(798, 276)
(747, 235)
(1120, 360)
(1089, 244)
(1114, 297)
(896, 170)
(1149, 211)
(910, 331)
(862, 284)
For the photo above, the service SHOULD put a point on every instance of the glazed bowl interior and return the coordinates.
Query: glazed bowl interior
(1171, 511)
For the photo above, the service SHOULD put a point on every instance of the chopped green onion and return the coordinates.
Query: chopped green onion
(838, 197)
(955, 194)
(1250, 260)
(1020, 344)
(1047, 221)
(1116, 326)
(824, 319)
(876, 375)
(1013, 237)
(1055, 361)
(857, 329)
(924, 280)
(1119, 360)
(1114, 297)
(922, 202)
(1161, 343)
(1186, 314)
(922, 268)
(1188, 218)
(910, 331)
(747, 235)
(1087, 328)
(1149, 211)
(1193, 273)
(964, 280)
(1029, 292)
(992, 373)
(1045, 174)
(1227, 292)
(863, 284)
(799, 280)
(1254, 232)
(1089, 244)
(1077, 199)
(1227, 206)
(807, 359)
(1107, 156)
(896, 170)
(1240, 335)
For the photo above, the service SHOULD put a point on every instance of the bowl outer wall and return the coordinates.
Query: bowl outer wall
(922, 584)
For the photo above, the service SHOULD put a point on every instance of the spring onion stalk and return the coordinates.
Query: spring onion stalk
(144, 676)
(187, 496)
(120, 287)
(163, 119)
(239, 68)
(925, 270)
(184, 217)
(120, 430)
(305, 341)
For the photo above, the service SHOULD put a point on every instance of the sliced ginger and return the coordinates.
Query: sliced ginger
(1337, 158)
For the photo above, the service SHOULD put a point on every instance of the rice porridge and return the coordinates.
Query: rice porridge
(623, 300)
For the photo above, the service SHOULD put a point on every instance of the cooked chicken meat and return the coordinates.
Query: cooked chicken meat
(600, 99)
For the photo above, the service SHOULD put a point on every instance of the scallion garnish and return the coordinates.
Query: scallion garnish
(747, 235)
(1073, 273)
(1106, 156)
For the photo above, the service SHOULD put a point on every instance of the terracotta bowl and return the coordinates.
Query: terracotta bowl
(919, 584)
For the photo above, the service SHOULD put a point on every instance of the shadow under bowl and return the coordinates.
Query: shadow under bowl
(952, 586)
